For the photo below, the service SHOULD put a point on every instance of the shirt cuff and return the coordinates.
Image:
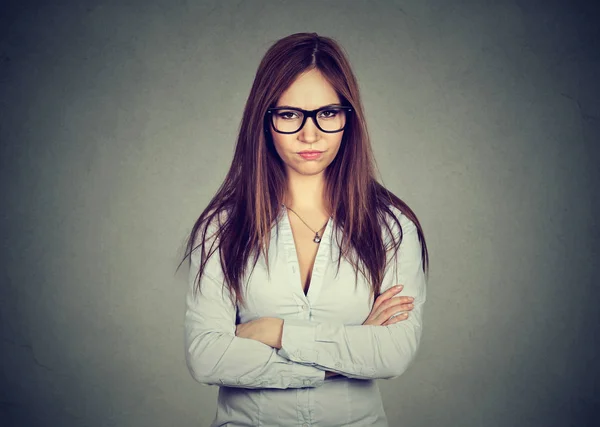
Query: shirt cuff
(306, 376)
(298, 341)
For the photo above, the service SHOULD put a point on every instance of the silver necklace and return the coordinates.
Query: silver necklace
(317, 238)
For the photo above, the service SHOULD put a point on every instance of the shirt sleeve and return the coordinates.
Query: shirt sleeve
(216, 356)
(367, 351)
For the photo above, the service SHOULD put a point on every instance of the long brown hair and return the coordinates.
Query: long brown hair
(251, 195)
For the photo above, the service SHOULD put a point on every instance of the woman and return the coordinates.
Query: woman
(301, 338)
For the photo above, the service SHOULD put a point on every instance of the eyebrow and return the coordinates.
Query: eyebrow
(291, 107)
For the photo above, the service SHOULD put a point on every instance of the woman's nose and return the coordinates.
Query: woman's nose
(310, 131)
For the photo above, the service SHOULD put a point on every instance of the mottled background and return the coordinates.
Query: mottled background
(118, 122)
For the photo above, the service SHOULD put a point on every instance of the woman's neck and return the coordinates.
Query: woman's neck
(306, 193)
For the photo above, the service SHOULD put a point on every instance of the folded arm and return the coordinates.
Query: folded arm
(366, 351)
(216, 356)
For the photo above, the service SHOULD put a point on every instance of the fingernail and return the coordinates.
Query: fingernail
(399, 286)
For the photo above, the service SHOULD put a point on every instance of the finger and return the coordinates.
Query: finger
(393, 305)
(397, 300)
(385, 313)
(387, 295)
(402, 305)
(396, 319)
(397, 309)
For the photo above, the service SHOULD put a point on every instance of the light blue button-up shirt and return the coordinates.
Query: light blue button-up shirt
(263, 386)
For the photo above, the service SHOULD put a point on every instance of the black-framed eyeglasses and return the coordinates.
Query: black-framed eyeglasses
(329, 119)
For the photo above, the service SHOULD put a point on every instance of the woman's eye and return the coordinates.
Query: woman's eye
(327, 114)
(288, 114)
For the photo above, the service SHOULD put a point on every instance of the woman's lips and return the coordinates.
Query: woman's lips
(311, 156)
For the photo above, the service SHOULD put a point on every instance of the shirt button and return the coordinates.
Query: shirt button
(303, 306)
(306, 382)
(338, 365)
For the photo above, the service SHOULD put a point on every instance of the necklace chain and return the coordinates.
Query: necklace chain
(317, 238)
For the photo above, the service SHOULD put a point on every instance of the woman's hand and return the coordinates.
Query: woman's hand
(264, 329)
(385, 306)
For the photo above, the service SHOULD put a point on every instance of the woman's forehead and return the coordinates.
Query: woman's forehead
(309, 91)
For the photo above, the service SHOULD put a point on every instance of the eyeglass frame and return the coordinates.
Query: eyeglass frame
(305, 115)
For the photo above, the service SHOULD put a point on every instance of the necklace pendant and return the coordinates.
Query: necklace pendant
(317, 239)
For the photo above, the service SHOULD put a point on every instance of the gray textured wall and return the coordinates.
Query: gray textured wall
(118, 121)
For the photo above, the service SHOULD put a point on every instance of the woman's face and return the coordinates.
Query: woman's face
(309, 92)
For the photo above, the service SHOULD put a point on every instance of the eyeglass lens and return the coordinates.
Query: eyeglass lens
(331, 119)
